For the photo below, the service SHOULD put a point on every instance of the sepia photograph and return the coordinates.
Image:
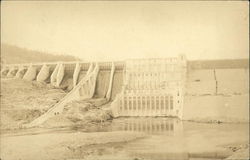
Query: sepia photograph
(124, 80)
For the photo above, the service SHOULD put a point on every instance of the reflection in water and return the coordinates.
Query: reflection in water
(170, 138)
(159, 129)
(148, 125)
(166, 139)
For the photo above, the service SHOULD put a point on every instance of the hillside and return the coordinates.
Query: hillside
(13, 54)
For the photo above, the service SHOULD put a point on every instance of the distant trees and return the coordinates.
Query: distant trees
(14, 54)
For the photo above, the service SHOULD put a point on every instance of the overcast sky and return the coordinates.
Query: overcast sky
(109, 30)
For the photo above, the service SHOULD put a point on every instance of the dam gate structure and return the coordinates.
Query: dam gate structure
(140, 87)
(152, 87)
(146, 87)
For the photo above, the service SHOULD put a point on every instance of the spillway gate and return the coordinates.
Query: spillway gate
(152, 87)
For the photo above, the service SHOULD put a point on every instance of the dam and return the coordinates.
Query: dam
(171, 87)
(152, 87)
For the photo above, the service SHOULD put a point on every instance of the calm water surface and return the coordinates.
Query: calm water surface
(169, 139)
(166, 139)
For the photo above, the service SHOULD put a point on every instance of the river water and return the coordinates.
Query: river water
(165, 139)
(170, 138)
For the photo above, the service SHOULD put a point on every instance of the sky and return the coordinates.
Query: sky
(120, 30)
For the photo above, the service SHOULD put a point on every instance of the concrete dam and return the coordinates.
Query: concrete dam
(173, 87)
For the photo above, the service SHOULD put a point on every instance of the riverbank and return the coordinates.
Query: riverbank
(87, 113)
(23, 101)
(130, 138)
(241, 152)
(61, 145)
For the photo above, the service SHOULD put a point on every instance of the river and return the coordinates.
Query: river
(165, 139)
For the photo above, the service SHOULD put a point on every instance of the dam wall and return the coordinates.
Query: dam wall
(212, 89)
(200, 82)
(232, 81)
(117, 83)
(85, 88)
(234, 108)
(152, 87)
(19, 70)
(217, 92)
(102, 83)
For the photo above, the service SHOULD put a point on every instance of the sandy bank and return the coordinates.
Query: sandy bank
(60, 145)
(23, 101)
(81, 113)
(241, 152)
